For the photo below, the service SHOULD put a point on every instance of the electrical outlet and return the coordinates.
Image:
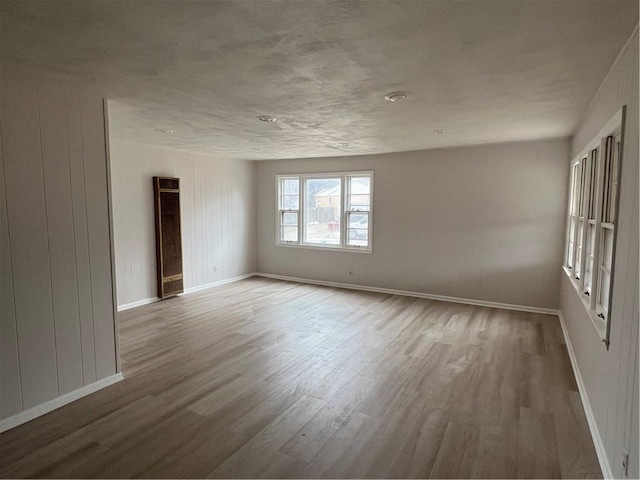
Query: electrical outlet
(625, 463)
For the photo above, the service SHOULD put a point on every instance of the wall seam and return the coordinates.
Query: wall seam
(86, 213)
(75, 243)
(13, 287)
(46, 217)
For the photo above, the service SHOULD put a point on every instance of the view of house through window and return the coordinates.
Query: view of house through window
(331, 210)
(322, 210)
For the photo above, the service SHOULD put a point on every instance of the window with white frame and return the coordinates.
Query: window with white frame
(607, 223)
(591, 221)
(325, 210)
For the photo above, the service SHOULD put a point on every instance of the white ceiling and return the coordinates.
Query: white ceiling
(486, 71)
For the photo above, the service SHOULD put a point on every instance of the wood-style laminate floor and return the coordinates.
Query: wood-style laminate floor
(263, 378)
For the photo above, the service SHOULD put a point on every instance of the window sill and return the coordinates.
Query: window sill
(324, 249)
(598, 323)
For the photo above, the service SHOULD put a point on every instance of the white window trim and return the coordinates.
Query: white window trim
(602, 325)
(343, 176)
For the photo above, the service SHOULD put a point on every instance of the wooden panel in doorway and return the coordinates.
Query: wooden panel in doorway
(168, 236)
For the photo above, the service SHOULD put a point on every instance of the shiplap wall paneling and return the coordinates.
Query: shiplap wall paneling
(59, 209)
(81, 236)
(27, 215)
(217, 211)
(10, 383)
(609, 375)
(57, 292)
(94, 149)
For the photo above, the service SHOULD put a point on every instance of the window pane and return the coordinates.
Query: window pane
(358, 237)
(359, 193)
(290, 186)
(570, 255)
(572, 230)
(289, 234)
(323, 197)
(290, 202)
(587, 279)
(358, 229)
(290, 218)
(574, 191)
(607, 248)
(604, 290)
(591, 238)
(579, 248)
(592, 184)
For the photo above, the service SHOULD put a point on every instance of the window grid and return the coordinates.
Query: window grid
(288, 209)
(607, 224)
(591, 222)
(357, 211)
(579, 233)
(332, 210)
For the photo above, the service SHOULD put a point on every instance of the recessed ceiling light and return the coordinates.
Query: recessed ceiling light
(165, 130)
(266, 118)
(343, 145)
(395, 96)
(440, 132)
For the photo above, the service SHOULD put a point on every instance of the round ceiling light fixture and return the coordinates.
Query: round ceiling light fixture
(343, 145)
(395, 96)
(266, 118)
(440, 132)
(166, 131)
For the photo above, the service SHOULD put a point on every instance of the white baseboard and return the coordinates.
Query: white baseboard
(39, 410)
(139, 303)
(443, 298)
(591, 419)
(218, 283)
(197, 288)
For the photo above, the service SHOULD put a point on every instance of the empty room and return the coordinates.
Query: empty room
(319, 239)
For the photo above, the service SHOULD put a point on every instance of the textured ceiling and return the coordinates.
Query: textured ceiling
(486, 71)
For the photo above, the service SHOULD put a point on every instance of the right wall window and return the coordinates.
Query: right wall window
(591, 221)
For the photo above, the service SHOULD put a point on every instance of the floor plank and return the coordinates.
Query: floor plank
(270, 379)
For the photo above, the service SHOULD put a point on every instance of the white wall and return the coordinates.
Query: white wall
(609, 375)
(217, 211)
(57, 317)
(483, 223)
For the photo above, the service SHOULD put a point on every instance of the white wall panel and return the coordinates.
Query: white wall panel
(609, 374)
(482, 223)
(55, 245)
(95, 175)
(59, 210)
(27, 217)
(81, 234)
(217, 211)
(10, 383)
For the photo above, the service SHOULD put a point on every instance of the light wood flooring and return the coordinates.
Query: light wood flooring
(263, 378)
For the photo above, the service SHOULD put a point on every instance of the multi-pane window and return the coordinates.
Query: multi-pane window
(357, 211)
(607, 222)
(326, 210)
(322, 201)
(580, 217)
(289, 209)
(591, 221)
(573, 215)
